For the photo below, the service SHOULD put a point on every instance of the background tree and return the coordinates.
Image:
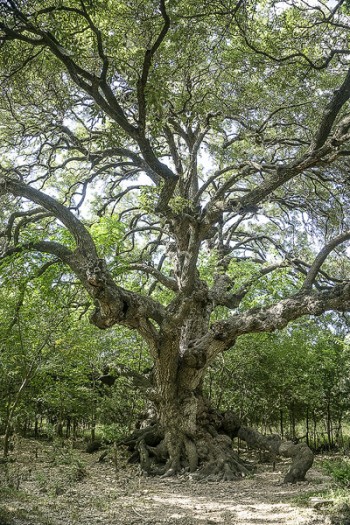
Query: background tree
(28, 329)
(172, 130)
(57, 372)
(294, 380)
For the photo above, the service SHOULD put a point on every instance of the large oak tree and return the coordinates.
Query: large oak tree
(175, 157)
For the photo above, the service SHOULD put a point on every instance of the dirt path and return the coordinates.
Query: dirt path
(55, 489)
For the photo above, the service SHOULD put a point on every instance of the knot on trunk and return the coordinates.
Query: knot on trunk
(96, 273)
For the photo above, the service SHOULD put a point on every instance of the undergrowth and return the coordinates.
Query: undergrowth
(339, 470)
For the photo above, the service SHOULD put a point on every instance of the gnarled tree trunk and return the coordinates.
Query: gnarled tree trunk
(189, 436)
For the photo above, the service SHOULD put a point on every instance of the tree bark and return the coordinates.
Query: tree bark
(189, 436)
(301, 455)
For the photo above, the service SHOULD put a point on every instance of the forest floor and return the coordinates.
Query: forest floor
(51, 485)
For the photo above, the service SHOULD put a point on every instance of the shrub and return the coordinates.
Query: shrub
(339, 470)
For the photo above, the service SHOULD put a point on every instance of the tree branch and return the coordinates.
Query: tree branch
(113, 303)
(321, 257)
(97, 87)
(52, 248)
(168, 282)
(331, 111)
(223, 334)
(147, 61)
(220, 291)
(77, 229)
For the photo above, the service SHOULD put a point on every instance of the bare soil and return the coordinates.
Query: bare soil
(55, 485)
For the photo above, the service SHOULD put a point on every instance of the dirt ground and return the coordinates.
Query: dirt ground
(48, 485)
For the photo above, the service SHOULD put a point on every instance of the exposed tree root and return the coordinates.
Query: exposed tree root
(219, 461)
(147, 448)
(209, 454)
(301, 454)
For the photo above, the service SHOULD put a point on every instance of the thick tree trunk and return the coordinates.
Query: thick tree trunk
(194, 438)
(187, 435)
(189, 431)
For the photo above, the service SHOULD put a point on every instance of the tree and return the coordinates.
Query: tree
(206, 145)
(293, 380)
(57, 372)
(28, 328)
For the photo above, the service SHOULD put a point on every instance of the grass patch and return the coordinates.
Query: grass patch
(337, 498)
(339, 470)
(302, 499)
(9, 493)
(5, 518)
(8, 514)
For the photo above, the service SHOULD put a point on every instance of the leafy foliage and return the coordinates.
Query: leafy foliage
(339, 470)
(279, 381)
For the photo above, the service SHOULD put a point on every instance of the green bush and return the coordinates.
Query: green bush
(339, 470)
